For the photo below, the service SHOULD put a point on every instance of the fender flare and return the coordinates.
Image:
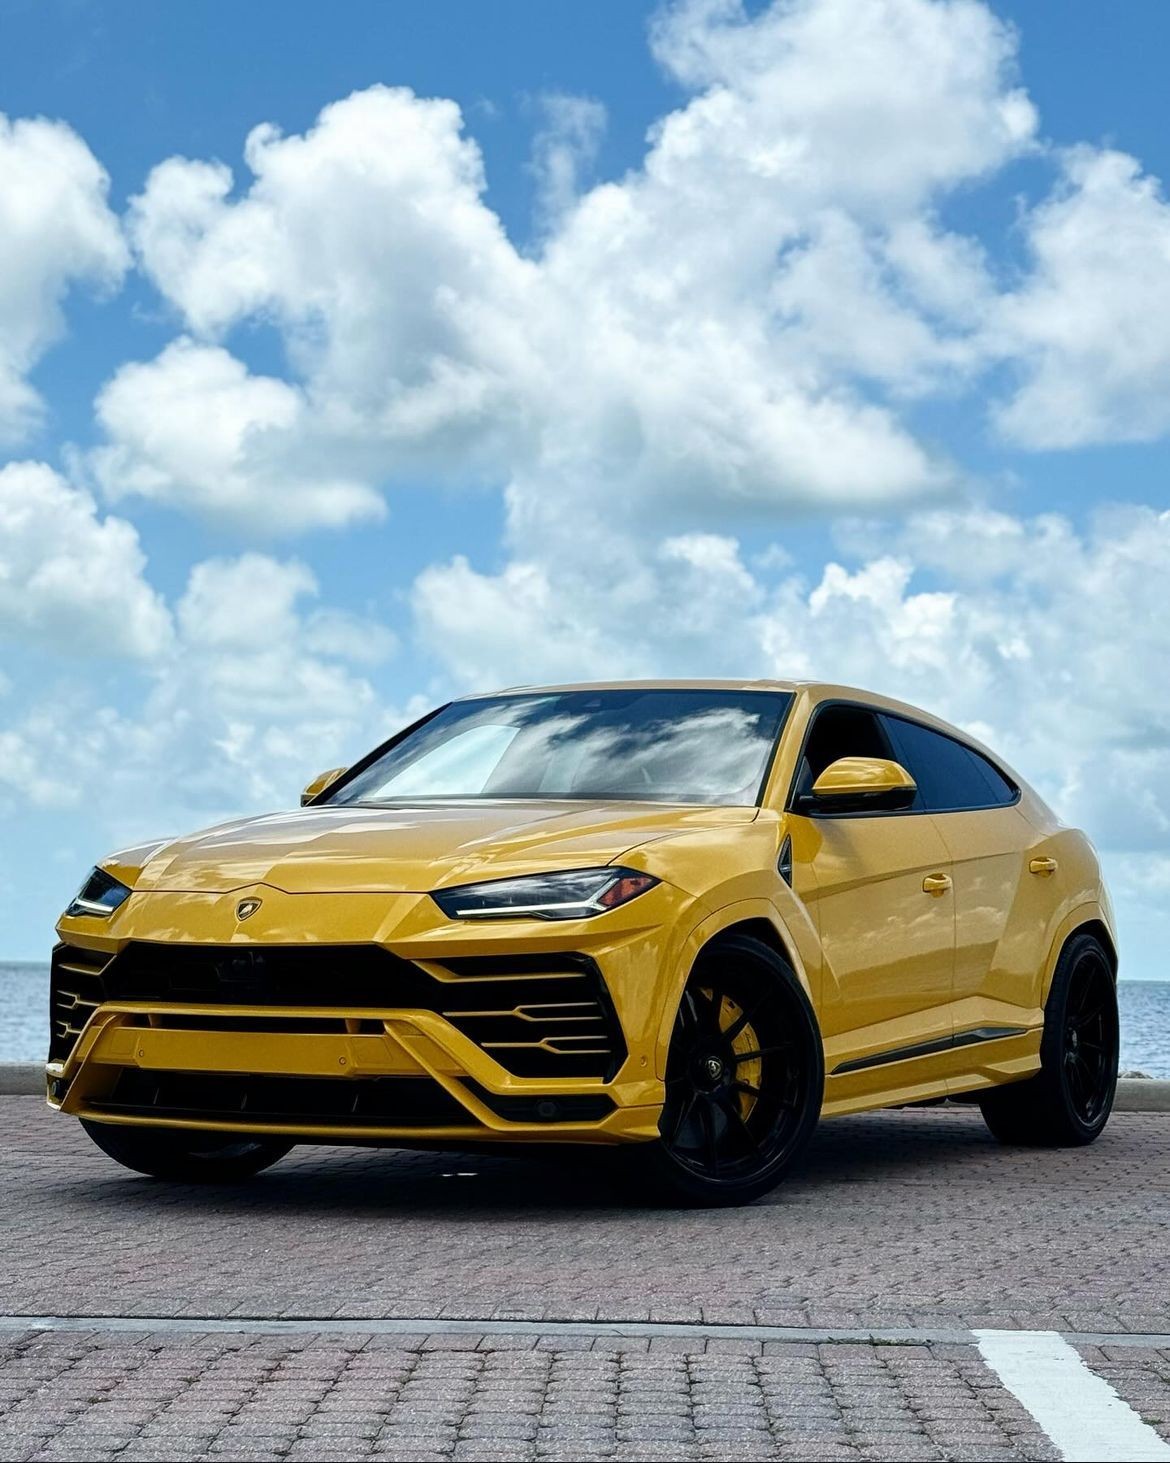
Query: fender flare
(1091, 912)
(801, 953)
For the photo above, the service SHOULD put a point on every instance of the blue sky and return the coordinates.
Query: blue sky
(641, 361)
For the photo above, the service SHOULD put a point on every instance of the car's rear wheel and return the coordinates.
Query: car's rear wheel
(1069, 1100)
(744, 1077)
(186, 1156)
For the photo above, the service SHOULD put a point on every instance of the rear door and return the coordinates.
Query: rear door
(998, 937)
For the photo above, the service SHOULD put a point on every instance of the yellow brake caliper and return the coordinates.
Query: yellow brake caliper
(747, 1041)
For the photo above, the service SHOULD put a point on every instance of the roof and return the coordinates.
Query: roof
(662, 684)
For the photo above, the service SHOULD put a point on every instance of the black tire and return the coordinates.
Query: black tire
(745, 1078)
(184, 1155)
(1068, 1102)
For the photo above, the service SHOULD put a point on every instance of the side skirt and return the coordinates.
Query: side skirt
(929, 1048)
(929, 1071)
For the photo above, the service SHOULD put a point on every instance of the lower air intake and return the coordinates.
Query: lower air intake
(386, 1102)
(537, 1016)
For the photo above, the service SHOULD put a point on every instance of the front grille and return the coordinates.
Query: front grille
(538, 1016)
(387, 1102)
(76, 990)
(261, 975)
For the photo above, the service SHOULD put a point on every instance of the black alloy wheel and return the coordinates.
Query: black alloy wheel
(1090, 1037)
(1068, 1102)
(744, 1077)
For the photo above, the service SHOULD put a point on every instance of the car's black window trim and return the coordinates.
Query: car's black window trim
(882, 716)
(781, 728)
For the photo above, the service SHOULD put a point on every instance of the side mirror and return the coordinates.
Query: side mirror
(320, 783)
(859, 784)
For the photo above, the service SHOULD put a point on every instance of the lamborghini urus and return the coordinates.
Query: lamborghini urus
(693, 917)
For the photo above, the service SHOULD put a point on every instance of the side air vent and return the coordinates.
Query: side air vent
(538, 1015)
(76, 990)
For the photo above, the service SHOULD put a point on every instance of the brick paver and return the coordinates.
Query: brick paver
(896, 1218)
(84, 1396)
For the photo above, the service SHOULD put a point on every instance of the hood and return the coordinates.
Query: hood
(415, 849)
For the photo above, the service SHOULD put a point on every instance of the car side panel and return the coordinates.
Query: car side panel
(740, 882)
(887, 945)
(1001, 921)
(1078, 894)
(1007, 916)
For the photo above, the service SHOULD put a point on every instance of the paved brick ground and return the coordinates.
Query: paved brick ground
(84, 1397)
(897, 1219)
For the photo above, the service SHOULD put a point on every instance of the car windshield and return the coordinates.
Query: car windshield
(679, 746)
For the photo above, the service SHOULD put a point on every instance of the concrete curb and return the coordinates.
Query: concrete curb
(22, 1079)
(419, 1326)
(1134, 1094)
(1142, 1094)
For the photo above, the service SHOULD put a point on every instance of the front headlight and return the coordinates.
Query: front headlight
(575, 894)
(100, 895)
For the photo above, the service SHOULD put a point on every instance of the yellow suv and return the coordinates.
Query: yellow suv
(692, 916)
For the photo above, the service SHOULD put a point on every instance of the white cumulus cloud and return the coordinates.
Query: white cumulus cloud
(69, 578)
(738, 325)
(564, 150)
(259, 688)
(1090, 327)
(56, 230)
(194, 427)
(695, 334)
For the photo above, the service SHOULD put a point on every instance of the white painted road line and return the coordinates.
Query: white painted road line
(1081, 1413)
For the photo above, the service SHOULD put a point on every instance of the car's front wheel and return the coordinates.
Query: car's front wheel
(1069, 1100)
(186, 1156)
(744, 1077)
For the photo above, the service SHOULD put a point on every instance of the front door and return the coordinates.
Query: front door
(878, 886)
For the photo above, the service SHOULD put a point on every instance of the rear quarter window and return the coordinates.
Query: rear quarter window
(950, 775)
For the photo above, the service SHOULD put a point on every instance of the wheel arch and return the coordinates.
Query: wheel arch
(1101, 930)
(757, 928)
(757, 918)
(1086, 919)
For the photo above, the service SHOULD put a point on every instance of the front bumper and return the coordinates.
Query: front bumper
(390, 1023)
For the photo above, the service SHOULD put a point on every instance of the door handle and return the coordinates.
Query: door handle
(1042, 866)
(936, 884)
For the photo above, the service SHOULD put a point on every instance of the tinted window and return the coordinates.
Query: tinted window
(1002, 791)
(688, 746)
(950, 776)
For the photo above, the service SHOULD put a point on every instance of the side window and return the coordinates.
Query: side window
(950, 776)
(840, 731)
(1004, 792)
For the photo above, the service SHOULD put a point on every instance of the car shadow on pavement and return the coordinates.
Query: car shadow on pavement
(889, 1147)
